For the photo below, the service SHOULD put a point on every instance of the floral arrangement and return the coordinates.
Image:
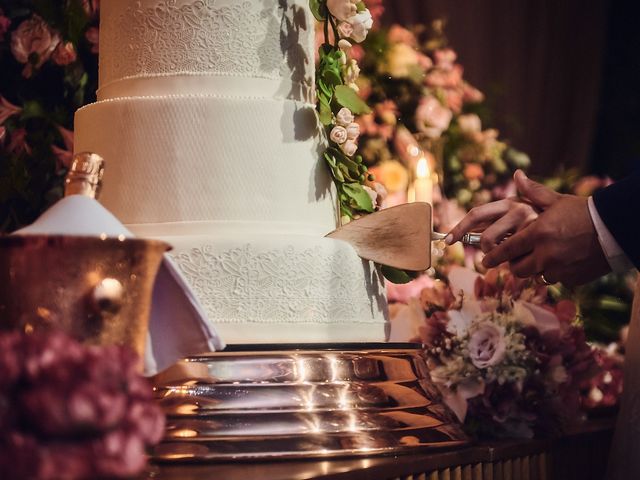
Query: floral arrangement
(508, 361)
(48, 59)
(413, 81)
(72, 411)
(344, 23)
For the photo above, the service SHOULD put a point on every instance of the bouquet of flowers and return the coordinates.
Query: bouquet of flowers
(49, 65)
(507, 360)
(412, 79)
(72, 411)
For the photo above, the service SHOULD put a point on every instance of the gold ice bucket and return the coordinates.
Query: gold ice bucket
(95, 288)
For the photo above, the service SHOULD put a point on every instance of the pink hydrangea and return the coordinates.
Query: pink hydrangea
(73, 411)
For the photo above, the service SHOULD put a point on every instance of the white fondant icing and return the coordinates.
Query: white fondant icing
(211, 144)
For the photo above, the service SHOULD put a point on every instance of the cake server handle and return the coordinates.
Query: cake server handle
(468, 238)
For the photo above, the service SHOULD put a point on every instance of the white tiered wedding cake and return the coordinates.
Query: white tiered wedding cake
(205, 118)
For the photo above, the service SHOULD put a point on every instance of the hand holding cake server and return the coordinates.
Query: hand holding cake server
(556, 237)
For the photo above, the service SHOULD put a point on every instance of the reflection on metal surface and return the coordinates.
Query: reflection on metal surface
(302, 403)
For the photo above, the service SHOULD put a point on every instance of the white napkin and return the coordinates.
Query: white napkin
(178, 325)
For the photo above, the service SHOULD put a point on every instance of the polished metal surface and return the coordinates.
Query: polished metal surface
(97, 289)
(302, 403)
(85, 175)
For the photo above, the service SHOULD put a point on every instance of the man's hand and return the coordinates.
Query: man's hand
(561, 243)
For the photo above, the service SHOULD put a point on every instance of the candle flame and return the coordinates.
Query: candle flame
(422, 169)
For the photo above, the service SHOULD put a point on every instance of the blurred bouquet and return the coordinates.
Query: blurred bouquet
(49, 65)
(508, 361)
(72, 411)
(413, 82)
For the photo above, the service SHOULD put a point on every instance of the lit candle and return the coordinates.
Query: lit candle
(423, 185)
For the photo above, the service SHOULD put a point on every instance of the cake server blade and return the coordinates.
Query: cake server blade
(398, 237)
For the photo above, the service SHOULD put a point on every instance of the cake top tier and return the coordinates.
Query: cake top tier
(256, 48)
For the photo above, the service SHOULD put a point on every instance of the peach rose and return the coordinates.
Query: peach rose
(398, 34)
(33, 37)
(473, 171)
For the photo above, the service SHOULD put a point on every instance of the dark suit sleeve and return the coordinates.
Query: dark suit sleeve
(619, 207)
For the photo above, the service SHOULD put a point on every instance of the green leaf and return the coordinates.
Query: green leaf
(361, 7)
(319, 9)
(325, 113)
(395, 275)
(347, 97)
(361, 198)
(32, 109)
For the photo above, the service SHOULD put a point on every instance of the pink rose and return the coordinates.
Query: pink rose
(345, 29)
(93, 37)
(432, 118)
(453, 99)
(7, 109)
(338, 134)
(353, 131)
(344, 117)
(450, 78)
(349, 148)
(487, 346)
(64, 54)
(33, 37)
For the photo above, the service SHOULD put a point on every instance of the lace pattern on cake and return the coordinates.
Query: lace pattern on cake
(284, 285)
(249, 39)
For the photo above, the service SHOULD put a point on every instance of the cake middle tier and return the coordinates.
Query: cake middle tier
(202, 158)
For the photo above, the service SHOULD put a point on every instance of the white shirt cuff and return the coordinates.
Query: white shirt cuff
(618, 260)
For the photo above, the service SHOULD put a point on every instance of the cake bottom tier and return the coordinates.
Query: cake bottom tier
(265, 284)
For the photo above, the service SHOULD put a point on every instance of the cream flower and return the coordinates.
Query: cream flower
(344, 117)
(351, 74)
(338, 134)
(342, 9)
(470, 123)
(487, 344)
(401, 59)
(353, 131)
(349, 148)
(361, 23)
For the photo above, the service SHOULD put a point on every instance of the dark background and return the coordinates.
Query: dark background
(562, 77)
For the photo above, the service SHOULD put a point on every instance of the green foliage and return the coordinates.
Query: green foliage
(319, 9)
(397, 276)
(347, 97)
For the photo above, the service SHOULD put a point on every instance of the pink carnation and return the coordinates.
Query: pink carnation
(33, 42)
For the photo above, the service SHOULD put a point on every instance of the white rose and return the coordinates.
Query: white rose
(342, 9)
(372, 194)
(338, 135)
(349, 147)
(344, 117)
(470, 123)
(345, 29)
(361, 23)
(487, 345)
(353, 131)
